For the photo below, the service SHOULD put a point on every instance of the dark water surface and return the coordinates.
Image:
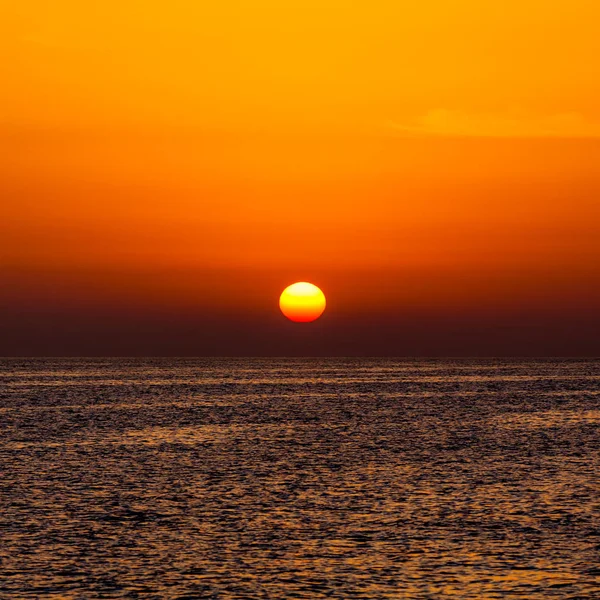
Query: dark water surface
(286, 478)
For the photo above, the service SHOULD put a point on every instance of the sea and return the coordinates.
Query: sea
(297, 478)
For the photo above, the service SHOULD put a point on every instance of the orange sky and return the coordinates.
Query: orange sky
(437, 154)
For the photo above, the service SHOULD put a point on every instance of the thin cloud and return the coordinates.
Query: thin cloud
(444, 122)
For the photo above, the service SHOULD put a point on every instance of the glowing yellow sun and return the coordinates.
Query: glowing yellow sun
(302, 302)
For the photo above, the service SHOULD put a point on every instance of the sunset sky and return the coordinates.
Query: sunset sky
(167, 169)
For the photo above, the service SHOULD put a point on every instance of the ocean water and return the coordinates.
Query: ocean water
(299, 478)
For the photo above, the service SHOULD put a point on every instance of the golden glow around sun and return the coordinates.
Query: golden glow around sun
(302, 302)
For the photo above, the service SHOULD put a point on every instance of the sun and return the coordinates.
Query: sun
(302, 302)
